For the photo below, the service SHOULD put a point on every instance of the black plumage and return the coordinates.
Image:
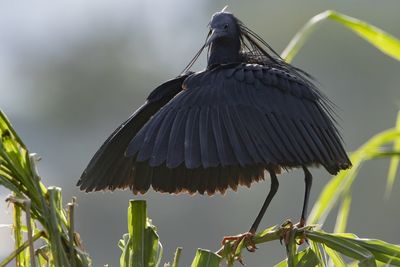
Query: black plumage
(248, 112)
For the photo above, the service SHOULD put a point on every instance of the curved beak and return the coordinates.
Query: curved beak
(213, 35)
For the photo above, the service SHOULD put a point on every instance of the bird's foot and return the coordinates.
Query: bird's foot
(247, 238)
(303, 238)
(286, 229)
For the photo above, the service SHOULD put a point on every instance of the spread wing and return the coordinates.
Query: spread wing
(228, 125)
(109, 168)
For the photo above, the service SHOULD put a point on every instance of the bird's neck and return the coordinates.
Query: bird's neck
(224, 52)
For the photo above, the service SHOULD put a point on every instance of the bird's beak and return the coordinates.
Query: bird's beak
(213, 35)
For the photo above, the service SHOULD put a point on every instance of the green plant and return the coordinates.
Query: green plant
(45, 217)
(48, 221)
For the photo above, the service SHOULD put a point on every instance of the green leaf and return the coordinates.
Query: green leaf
(343, 213)
(383, 251)
(378, 264)
(332, 192)
(344, 246)
(55, 231)
(309, 259)
(394, 162)
(335, 257)
(335, 188)
(206, 258)
(152, 247)
(123, 242)
(305, 258)
(281, 264)
(18, 173)
(382, 40)
(315, 248)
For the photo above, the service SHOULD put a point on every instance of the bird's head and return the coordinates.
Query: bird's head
(230, 41)
(223, 26)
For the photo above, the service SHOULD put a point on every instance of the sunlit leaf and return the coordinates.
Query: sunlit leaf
(383, 251)
(333, 191)
(382, 40)
(344, 246)
(394, 162)
(343, 213)
(335, 257)
(305, 258)
(316, 249)
(206, 258)
(309, 259)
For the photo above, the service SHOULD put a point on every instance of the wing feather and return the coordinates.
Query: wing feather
(109, 168)
(150, 132)
(225, 151)
(248, 142)
(208, 145)
(229, 124)
(234, 138)
(175, 154)
(160, 149)
(192, 140)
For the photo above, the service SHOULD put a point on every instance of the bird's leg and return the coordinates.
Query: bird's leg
(250, 234)
(308, 183)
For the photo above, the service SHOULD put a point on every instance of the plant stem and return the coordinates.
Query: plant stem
(27, 204)
(16, 252)
(178, 253)
(17, 233)
(71, 207)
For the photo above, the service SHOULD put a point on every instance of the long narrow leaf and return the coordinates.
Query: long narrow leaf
(394, 162)
(336, 259)
(332, 191)
(344, 246)
(343, 213)
(343, 181)
(309, 259)
(305, 258)
(383, 251)
(316, 249)
(382, 40)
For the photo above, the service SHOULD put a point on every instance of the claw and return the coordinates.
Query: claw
(247, 238)
(303, 238)
(287, 227)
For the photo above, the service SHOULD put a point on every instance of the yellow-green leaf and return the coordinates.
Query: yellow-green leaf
(343, 213)
(206, 258)
(382, 40)
(394, 162)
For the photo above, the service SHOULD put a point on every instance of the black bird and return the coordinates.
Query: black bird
(248, 112)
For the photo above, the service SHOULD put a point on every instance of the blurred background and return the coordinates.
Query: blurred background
(72, 71)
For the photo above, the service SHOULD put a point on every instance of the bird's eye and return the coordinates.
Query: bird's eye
(226, 26)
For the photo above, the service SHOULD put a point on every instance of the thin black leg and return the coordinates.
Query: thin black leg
(308, 182)
(271, 194)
